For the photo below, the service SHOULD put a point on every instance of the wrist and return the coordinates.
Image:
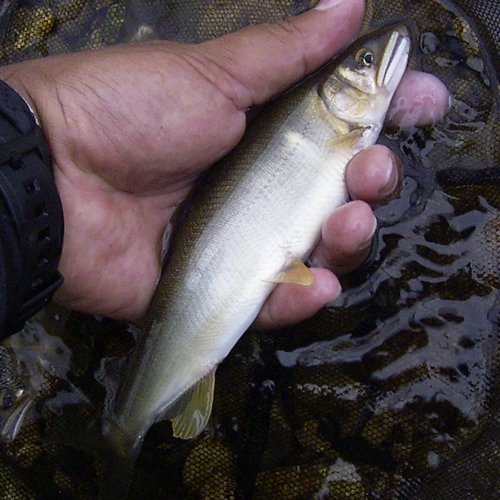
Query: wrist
(31, 220)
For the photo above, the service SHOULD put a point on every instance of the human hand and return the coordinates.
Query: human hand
(131, 128)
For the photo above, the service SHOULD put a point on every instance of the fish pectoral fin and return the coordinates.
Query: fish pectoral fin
(296, 272)
(347, 140)
(192, 411)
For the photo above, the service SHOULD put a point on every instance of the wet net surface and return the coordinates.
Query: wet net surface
(390, 393)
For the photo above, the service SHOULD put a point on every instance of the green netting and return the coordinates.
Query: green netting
(390, 393)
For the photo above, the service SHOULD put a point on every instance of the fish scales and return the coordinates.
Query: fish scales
(203, 256)
(256, 211)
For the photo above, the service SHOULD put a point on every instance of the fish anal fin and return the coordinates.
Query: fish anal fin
(296, 272)
(347, 140)
(191, 412)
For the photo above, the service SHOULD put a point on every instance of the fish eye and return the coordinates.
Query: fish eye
(365, 58)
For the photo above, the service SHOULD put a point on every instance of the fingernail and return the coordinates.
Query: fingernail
(393, 178)
(327, 4)
(367, 243)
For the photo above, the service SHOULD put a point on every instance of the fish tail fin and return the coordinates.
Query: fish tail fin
(119, 454)
(118, 446)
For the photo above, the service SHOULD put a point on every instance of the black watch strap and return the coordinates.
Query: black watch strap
(31, 216)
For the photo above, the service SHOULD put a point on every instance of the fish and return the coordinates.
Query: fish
(251, 223)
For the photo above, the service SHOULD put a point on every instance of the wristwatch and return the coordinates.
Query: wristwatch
(31, 216)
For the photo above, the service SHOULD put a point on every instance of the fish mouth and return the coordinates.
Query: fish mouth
(394, 59)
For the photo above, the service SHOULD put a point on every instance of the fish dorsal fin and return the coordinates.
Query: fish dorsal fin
(191, 413)
(296, 272)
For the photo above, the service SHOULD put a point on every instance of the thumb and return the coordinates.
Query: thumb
(255, 63)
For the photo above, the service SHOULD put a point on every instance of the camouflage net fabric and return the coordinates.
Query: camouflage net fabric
(393, 392)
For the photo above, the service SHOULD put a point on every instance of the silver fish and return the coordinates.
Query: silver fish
(251, 223)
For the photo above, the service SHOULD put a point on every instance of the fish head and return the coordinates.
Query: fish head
(360, 88)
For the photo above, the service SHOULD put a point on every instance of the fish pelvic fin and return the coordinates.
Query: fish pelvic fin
(296, 272)
(191, 412)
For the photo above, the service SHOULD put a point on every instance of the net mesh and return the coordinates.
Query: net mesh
(390, 393)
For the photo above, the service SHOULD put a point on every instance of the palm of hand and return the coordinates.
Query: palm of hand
(123, 193)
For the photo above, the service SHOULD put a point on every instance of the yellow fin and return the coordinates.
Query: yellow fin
(296, 272)
(191, 413)
(347, 140)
